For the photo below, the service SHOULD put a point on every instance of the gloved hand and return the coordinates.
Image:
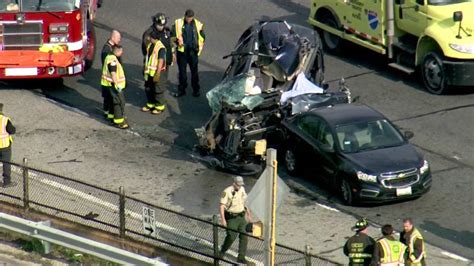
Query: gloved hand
(119, 89)
(156, 77)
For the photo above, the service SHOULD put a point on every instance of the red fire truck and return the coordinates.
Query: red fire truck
(46, 38)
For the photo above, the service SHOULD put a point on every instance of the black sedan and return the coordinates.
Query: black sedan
(357, 151)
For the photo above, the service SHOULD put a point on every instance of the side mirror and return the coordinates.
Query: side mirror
(327, 148)
(457, 16)
(409, 134)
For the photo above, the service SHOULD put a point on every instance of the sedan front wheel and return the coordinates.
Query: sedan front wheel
(291, 163)
(346, 192)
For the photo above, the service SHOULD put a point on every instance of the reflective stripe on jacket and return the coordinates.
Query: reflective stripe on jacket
(411, 248)
(151, 61)
(5, 138)
(393, 252)
(107, 77)
(198, 26)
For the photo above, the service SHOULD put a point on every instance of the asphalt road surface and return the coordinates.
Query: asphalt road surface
(443, 125)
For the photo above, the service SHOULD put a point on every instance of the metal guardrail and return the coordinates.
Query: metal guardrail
(121, 215)
(44, 232)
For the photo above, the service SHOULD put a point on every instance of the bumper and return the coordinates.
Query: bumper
(377, 193)
(40, 72)
(459, 73)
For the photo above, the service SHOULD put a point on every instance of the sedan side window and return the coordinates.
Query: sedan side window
(325, 136)
(309, 125)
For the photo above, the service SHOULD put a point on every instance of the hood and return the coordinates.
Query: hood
(386, 160)
(442, 16)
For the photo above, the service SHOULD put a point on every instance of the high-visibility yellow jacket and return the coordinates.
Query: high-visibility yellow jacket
(151, 60)
(5, 138)
(107, 77)
(198, 26)
(393, 252)
(412, 259)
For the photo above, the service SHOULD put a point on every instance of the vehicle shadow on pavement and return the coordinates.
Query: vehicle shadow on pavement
(187, 113)
(464, 238)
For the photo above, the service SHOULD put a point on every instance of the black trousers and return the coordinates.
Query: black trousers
(118, 103)
(190, 58)
(108, 104)
(6, 156)
(155, 91)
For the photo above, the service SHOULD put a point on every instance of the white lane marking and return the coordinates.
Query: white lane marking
(328, 208)
(128, 213)
(454, 256)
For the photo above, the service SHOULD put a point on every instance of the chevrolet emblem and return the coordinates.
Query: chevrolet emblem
(402, 175)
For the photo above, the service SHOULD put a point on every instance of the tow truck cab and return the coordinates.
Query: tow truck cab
(433, 36)
(46, 38)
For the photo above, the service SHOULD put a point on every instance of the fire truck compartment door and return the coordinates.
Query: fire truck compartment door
(35, 59)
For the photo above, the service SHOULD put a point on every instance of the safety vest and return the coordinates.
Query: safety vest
(393, 252)
(5, 138)
(107, 77)
(179, 24)
(151, 62)
(413, 260)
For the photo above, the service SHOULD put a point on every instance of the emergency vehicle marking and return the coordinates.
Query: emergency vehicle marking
(363, 35)
(373, 19)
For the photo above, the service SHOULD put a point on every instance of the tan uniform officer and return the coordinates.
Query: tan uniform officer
(233, 215)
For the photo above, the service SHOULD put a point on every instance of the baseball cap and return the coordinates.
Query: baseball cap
(360, 225)
(239, 180)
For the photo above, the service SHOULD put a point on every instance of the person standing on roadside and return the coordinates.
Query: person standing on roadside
(360, 247)
(115, 38)
(154, 64)
(416, 245)
(190, 37)
(388, 251)
(113, 78)
(6, 131)
(234, 216)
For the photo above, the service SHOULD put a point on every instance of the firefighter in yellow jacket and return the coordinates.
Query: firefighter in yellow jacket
(416, 245)
(6, 131)
(189, 35)
(155, 63)
(113, 78)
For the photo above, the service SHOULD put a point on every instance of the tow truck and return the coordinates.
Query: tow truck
(46, 38)
(432, 36)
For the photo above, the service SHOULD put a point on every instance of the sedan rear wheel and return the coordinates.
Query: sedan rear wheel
(291, 163)
(346, 192)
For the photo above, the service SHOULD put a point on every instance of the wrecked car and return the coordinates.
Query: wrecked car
(276, 71)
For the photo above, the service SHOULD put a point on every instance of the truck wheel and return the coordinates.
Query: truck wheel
(331, 42)
(432, 71)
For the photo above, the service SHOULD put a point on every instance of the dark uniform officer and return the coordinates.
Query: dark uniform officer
(234, 216)
(388, 251)
(189, 34)
(6, 131)
(154, 65)
(164, 35)
(107, 50)
(416, 245)
(360, 247)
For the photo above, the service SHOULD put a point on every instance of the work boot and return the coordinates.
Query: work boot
(145, 109)
(123, 125)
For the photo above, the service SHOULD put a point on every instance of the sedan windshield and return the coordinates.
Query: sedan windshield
(447, 2)
(369, 135)
(39, 5)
